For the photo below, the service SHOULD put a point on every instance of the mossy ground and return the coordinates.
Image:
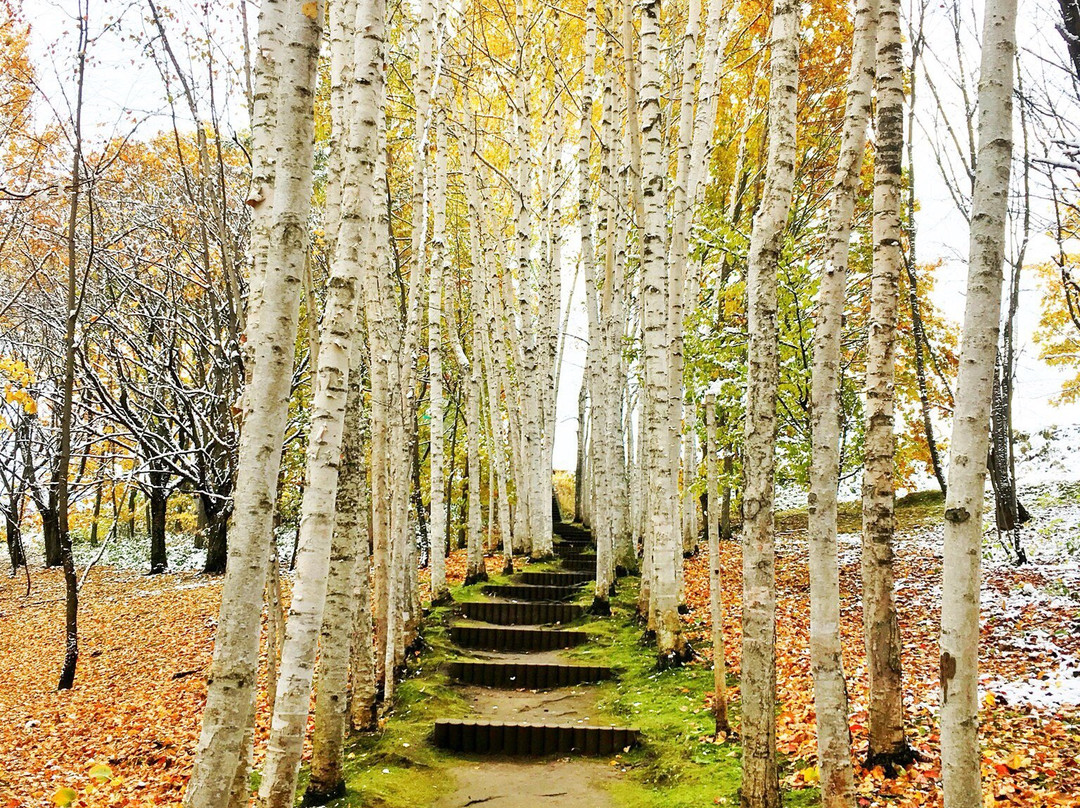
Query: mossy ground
(678, 765)
(914, 510)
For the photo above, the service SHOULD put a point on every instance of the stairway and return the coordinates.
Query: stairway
(511, 642)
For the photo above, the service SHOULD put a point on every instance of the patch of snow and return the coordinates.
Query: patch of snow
(1050, 690)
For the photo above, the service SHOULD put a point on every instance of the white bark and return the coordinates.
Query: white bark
(960, 756)
(475, 569)
(716, 603)
(348, 550)
(880, 623)
(282, 765)
(661, 532)
(758, 686)
(289, 45)
(826, 658)
(439, 264)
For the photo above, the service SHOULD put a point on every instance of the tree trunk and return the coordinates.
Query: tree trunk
(356, 108)
(716, 604)
(50, 529)
(349, 546)
(579, 468)
(439, 264)
(888, 745)
(760, 786)
(158, 505)
(826, 653)
(96, 514)
(288, 51)
(662, 534)
(474, 570)
(131, 515)
(725, 502)
(960, 756)
(217, 537)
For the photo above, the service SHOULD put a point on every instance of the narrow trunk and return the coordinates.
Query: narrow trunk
(826, 656)
(335, 641)
(439, 264)
(960, 756)
(888, 745)
(760, 786)
(716, 604)
(281, 193)
(662, 537)
(95, 516)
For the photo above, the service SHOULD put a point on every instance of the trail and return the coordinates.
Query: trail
(534, 736)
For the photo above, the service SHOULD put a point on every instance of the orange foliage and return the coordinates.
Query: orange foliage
(1030, 758)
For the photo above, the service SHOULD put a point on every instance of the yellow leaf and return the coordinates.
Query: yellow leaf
(101, 772)
(310, 10)
(64, 796)
(810, 774)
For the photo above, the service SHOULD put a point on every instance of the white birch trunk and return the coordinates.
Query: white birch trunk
(475, 569)
(888, 745)
(716, 603)
(662, 531)
(960, 755)
(440, 261)
(758, 686)
(289, 48)
(348, 549)
(826, 658)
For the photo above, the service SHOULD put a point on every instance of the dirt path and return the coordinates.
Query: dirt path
(497, 780)
(501, 783)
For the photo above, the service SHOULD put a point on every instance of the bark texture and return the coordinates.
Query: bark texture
(960, 756)
(760, 786)
(826, 659)
(881, 628)
(289, 37)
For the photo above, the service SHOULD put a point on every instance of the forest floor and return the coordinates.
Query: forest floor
(126, 733)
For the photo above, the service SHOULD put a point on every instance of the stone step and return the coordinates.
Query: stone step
(555, 578)
(563, 549)
(574, 538)
(522, 614)
(497, 638)
(585, 564)
(576, 554)
(525, 675)
(564, 528)
(508, 738)
(529, 592)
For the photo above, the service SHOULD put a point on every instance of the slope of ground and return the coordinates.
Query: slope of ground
(126, 733)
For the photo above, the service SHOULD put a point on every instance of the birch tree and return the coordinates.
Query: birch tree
(328, 402)
(662, 535)
(826, 659)
(439, 264)
(348, 562)
(716, 604)
(888, 746)
(760, 788)
(289, 38)
(960, 756)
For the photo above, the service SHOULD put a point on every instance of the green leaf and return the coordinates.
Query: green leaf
(64, 796)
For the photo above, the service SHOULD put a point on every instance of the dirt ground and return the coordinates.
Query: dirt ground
(503, 783)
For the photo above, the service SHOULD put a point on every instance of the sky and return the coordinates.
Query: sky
(126, 93)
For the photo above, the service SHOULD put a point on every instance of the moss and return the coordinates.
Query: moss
(920, 508)
(677, 766)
